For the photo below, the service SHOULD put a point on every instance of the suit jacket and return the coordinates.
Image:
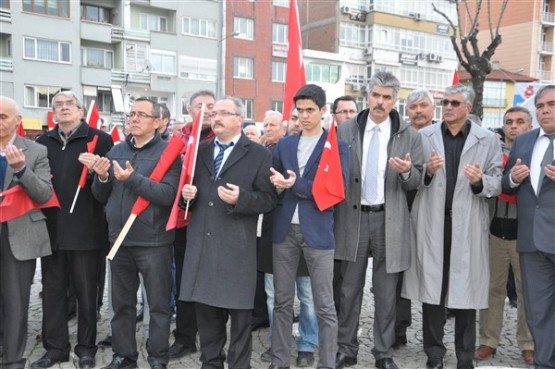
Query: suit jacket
(27, 234)
(219, 268)
(536, 213)
(404, 139)
(316, 225)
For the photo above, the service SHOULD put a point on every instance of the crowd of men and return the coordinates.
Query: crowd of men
(441, 208)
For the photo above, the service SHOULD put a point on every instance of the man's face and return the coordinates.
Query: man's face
(421, 113)
(9, 120)
(345, 111)
(455, 114)
(66, 110)
(142, 124)
(293, 127)
(310, 115)
(252, 133)
(380, 102)
(196, 106)
(273, 129)
(226, 122)
(515, 123)
(545, 111)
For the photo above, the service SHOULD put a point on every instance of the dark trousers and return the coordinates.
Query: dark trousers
(260, 311)
(212, 333)
(83, 267)
(538, 287)
(185, 315)
(403, 316)
(154, 264)
(434, 317)
(15, 286)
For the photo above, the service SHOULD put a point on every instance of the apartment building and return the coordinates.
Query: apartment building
(110, 52)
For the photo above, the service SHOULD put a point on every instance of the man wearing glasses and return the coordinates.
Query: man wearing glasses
(121, 177)
(230, 189)
(450, 263)
(79, 239)
(344, 108)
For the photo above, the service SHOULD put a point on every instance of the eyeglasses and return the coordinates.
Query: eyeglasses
(214, 114)
(69, 104)
(346, 112)
(454, 103)
(139, 114)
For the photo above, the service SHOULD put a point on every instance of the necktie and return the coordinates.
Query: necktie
(547, 159)
(220, 156)
(3, 167)
(370, 192)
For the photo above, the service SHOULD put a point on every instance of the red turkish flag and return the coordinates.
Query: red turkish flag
(188, 170)
(295, 77)
(16, 202)
(50, 120)
(115, 135)
(93, 117)
(328, 188)
(456, 77)
(21, 130)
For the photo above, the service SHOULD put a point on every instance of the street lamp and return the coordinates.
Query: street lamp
(220, 83)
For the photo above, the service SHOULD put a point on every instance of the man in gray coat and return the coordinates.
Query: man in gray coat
(386, 162)
(450, 263)
(23, 238)
(230, 189)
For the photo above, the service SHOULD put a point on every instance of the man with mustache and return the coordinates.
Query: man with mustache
(386, 162)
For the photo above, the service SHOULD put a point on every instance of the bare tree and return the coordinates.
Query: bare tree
(476, 62)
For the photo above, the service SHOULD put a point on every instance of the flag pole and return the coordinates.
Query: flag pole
(121, 236)
(197, 134)
(74, 199)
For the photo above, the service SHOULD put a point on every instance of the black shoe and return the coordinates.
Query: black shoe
(465, 364)
(47, 361)
(434, 363)
(121, 362)
(86, 362)
(140, 314)
(400, 340)
(178, 350)
(262, 324)
(106, 341)
(158, 366)
(386, 363)
(343, 361)
(305, 359)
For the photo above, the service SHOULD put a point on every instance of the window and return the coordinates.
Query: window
(162, 62)
(97, 58)
(40, 96)
(279, 33)
(5, 4)
(95, 13)
(47, 50)
(152, 22)
(243, 28)
(243, 67)
(353, 35)
(249, 109)
(199, 27)
(277, 105)
(279, 70)
(58, 8)
(198, 69)
(493, 119)
(494, 94)
(284, 3)
(103, 101)
(322, 73)
(135, 56)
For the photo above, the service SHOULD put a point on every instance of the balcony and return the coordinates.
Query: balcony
(130, 77)
(96, 31)
(5, 15)
(548, 18)
(545, 76)
(546, 47)
(6, 64)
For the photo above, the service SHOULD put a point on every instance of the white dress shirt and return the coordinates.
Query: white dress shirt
(384, 135)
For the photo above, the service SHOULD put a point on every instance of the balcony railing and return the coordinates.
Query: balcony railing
(5, 15)
(547, 47)
(6, 64)
(548, 17)
(126, 77)
(545, 76)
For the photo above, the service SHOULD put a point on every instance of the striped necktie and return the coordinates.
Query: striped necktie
(220, 156)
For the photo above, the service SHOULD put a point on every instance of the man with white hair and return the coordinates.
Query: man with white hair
(273, 127)
(253, 133)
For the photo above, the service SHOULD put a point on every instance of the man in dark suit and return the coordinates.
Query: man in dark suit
(530, 173)
(79, 238)
(231, 188)
(23, 238)
(302, 230)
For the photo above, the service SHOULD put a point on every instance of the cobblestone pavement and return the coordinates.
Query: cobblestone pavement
(408, 357)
